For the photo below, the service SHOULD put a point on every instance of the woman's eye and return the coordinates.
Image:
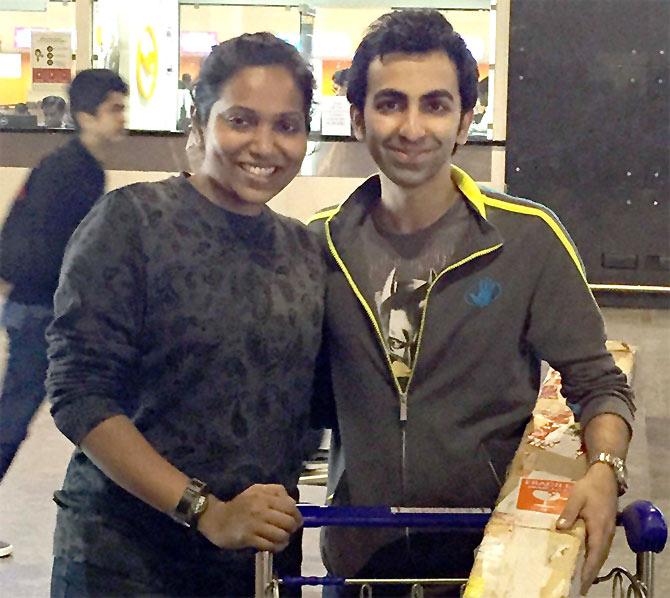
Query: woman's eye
(238, 121)
(287, 127)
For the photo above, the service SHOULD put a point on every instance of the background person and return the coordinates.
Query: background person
(57, 195)
(53, 108)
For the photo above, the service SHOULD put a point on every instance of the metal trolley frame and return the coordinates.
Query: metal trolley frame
(644, 525)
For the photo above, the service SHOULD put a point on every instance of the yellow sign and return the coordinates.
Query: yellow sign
(147, 63)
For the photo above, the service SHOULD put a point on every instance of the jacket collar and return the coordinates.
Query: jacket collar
(343, 222)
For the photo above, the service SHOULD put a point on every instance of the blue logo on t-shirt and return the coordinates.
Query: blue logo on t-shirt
(483, 293)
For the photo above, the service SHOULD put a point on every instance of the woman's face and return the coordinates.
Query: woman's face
(255, 139)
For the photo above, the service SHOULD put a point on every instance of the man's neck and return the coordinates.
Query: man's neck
(405, 210)
(98, 148)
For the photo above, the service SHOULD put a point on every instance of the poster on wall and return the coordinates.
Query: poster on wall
(51, 56)
(335, 118)
(333, 76)
(140, 41)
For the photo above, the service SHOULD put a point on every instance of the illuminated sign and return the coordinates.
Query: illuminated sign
(147, 63)
(22, 36)
(197, 42)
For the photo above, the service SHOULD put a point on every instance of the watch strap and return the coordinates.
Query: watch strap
(618, 466)
(192, 503)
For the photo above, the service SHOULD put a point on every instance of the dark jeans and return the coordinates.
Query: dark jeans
(151, 556)
(23, 387)
(84, 580)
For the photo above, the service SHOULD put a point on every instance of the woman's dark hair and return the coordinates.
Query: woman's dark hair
(412, 31)
(250, 49)
(91, 87)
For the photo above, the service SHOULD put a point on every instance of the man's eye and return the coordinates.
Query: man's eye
(436, 107)
(388, 106)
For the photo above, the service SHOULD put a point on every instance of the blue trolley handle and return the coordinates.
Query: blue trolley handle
(320, 516)
(645, 527)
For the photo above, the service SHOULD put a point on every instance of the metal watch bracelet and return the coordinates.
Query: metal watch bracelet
(192, 503)
(618, 466)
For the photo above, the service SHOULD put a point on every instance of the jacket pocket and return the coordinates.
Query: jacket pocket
(487, 478)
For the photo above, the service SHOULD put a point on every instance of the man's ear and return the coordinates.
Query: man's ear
(83, 119)
(357, 122)
(464, 127)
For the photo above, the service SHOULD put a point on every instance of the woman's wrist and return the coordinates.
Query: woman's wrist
(207, 522)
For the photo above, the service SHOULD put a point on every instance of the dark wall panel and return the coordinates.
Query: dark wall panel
(588, 130)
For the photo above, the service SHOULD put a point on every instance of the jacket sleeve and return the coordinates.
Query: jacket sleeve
(93, 341)
(33, 238)
(566, 329)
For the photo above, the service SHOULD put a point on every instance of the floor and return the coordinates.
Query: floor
(27, 512)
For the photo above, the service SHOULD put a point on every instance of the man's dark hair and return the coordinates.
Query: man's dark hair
(341, 77)
(91, 87)
(412, 31)
(53, 102)
(247, 50)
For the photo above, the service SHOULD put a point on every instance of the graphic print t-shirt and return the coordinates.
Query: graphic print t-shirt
(400, 269)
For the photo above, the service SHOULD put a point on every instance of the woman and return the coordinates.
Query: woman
(187, 322)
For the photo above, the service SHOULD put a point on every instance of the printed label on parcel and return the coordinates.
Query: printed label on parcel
(543, 496)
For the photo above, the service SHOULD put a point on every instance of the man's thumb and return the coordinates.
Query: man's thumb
(569, 515)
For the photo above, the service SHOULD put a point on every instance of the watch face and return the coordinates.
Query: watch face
(200, 505)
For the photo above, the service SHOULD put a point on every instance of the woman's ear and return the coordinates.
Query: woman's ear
(195, 144)
(196, 125)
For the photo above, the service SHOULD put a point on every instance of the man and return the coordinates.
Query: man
(443, 298)
(339, 79)
(53, 108)
(58, 194)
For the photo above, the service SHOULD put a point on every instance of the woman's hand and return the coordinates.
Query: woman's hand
(263, 517)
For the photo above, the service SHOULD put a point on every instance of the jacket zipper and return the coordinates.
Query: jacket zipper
(402, 395)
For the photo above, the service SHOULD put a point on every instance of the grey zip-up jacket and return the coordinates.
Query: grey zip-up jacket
(515, 294)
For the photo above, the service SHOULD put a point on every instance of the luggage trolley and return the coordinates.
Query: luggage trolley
(644, 525)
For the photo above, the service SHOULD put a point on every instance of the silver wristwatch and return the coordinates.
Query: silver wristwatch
(618, 466)
(192, 504)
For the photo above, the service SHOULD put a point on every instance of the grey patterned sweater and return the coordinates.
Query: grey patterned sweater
(203, 327)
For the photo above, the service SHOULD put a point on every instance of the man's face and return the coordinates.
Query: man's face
(109, 121)
(412, 120)
(53, 116)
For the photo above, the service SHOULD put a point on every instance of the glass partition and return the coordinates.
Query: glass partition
(205, 25)
(158, 45)
(37, 41)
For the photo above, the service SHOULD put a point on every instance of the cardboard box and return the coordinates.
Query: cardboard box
(522, 554)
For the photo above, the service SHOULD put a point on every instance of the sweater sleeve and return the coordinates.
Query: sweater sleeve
(566, 329)
(98, 317)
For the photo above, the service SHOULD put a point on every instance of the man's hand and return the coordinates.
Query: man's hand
(593, 499)
(263, 517)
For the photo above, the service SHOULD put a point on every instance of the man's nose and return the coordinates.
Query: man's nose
(412, 127)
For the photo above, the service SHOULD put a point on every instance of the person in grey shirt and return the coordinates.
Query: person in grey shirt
(182, 352)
